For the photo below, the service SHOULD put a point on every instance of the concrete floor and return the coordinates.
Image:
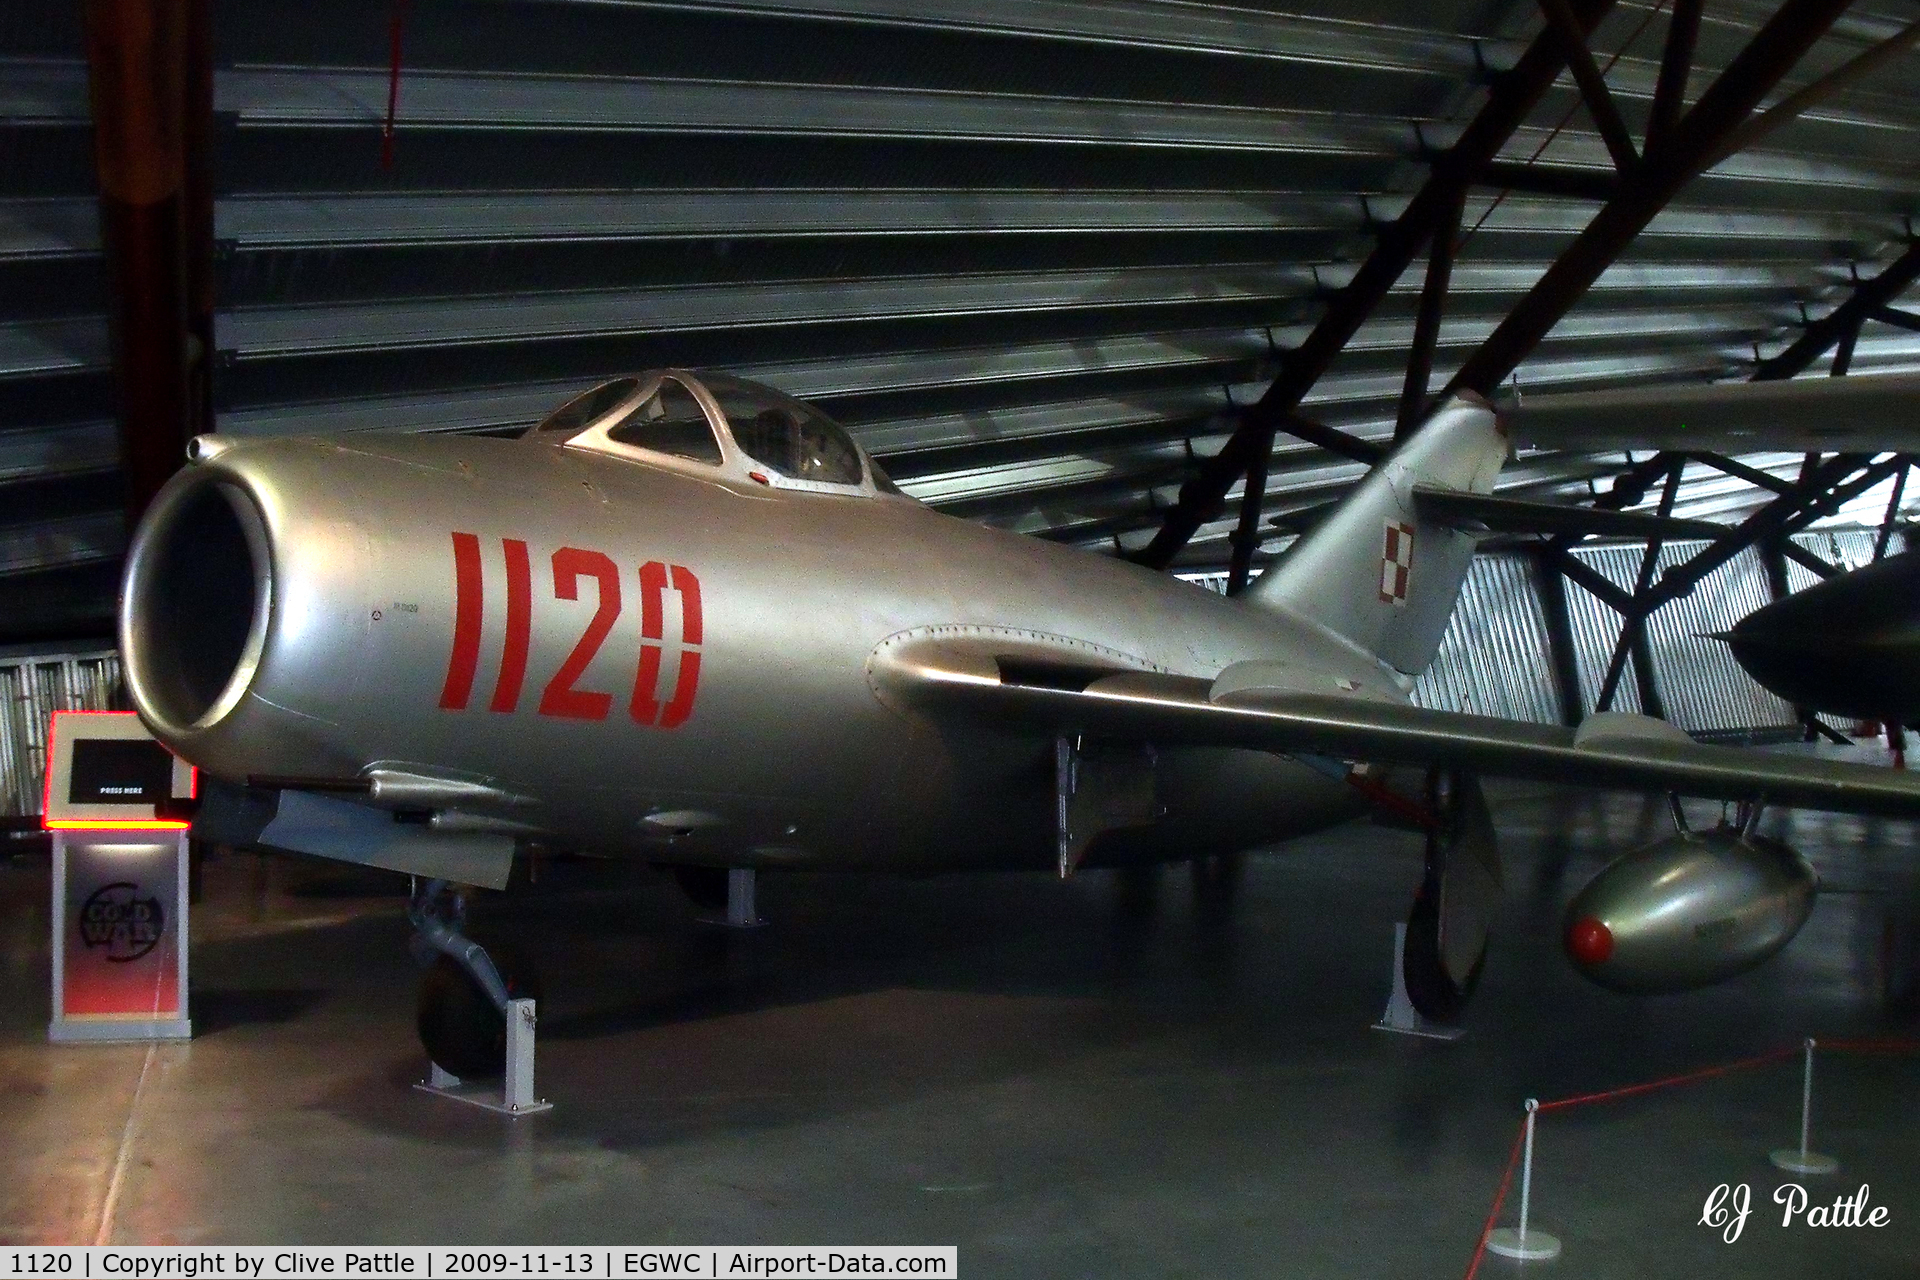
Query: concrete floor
(1063, 1079)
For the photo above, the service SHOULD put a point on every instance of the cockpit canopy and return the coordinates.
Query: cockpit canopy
(714, 422)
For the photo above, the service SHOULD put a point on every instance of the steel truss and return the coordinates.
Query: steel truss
(1824, 485)
(1679, 145)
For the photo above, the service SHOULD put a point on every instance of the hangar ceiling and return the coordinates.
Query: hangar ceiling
(1038, 255)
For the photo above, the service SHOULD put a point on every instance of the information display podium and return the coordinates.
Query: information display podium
(115, 803)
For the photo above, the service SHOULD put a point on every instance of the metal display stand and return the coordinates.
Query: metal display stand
(741, 912)
(120, 881)
(120, 936)
(1401, 1016)
(516, 1088)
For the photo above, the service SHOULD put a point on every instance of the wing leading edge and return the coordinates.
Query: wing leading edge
(1262, 707)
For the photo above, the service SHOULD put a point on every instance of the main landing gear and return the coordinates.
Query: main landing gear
(464, 994)
(1446, 946)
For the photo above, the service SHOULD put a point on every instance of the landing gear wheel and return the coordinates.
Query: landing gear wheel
(1433, 993)
(1137, 891)
(462, 1032)
(1216, 881)
(705, 887)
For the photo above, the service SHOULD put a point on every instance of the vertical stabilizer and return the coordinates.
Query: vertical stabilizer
(1372, 570)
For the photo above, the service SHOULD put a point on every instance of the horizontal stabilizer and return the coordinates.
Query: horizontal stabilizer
(1862, 413)
(1486, 513)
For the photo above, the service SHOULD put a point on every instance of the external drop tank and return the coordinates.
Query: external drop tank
(1689, 911)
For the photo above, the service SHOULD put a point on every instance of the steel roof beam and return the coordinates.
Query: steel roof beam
(1234, 32)
(1868, 296)
(1897, 318)
(1592, 84)
(1343, 443)
(1799, 554)
(1245, 538)
(1693, 145)
(1676, 59)
(1741, 471)
(1510, 100)
(1843, 358)
(1549, 180)
(1426, 323)
(1790, 107)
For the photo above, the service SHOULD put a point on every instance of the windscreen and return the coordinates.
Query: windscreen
(786, 435)
(588, 407)
(669, 421)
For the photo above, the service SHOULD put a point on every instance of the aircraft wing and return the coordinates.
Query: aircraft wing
(1863, 413)
(1250, 706)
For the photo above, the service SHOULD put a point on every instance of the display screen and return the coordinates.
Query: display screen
(132, 771)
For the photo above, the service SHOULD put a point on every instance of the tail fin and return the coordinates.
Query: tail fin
(1373, 571)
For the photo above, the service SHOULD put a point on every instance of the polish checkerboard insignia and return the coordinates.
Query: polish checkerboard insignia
(1396, 563)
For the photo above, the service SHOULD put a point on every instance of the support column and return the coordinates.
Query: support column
(143, 72)
(1426, 324)
(1553, 603)
(197, 220)
(1246, 536)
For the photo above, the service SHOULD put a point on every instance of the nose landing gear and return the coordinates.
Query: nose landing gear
(464, 994)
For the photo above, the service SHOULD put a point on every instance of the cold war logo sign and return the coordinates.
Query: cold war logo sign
(123, 920)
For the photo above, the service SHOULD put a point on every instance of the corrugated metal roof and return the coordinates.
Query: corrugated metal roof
(1033, 252)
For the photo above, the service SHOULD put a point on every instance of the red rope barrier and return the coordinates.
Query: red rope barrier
(1882, 1044)
(1499, 1198)
(1607, 1095)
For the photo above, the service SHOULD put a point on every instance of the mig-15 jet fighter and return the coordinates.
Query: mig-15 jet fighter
(685, 619)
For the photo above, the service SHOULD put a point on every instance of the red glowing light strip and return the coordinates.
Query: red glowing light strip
(117, 824)
(105, 824)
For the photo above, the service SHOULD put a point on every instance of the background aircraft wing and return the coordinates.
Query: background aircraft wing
(1248, 706)
(1873, 413)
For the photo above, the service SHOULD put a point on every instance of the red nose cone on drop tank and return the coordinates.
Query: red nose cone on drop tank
(1589, 942)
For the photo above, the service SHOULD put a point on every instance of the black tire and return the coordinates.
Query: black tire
(1216, 882)
(1433, 993)
(459, 1027)
(705, 887)
(1137, 892)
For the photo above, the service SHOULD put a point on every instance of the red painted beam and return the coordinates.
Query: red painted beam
(142, 73)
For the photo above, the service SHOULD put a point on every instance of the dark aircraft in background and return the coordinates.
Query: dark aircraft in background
(686, 620)
(1848, 646)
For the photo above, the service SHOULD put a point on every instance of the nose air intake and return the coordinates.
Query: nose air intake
(195, 604)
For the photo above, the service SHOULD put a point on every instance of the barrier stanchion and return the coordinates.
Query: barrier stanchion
(1505, 1240)
(1499, 1199)
(1803, 1160)
(1511, 1242)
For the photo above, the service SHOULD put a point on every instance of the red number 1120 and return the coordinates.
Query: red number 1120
(562, 698)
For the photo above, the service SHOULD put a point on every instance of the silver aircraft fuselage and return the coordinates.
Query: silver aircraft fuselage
(669, 665)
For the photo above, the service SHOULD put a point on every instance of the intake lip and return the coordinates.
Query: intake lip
(196, 602)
